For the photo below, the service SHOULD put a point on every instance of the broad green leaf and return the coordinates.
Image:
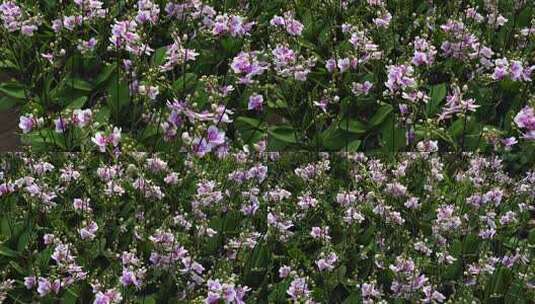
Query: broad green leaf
(158, 57)
(5, 251)
(184, 82)
(79, 84)
(119, 95)
(231, 45)
(103, 115)
(13, 90)
(278, 293)
(5, 228)
(353, 298)
(438, 92)
(352, 126)
(78, 103)
(393, 137)
(70, 297)
(380, 115)
(146, 299)
(105, 74)
(23, 241)
(283, 133)
(253, 122)
(336, 139)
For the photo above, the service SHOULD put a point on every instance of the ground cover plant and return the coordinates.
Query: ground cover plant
(266, 228)
(209, 76)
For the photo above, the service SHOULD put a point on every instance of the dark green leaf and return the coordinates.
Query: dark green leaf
(8, 252)
(13, 90)
(283, 133)
(253, 122)
(380, 115)
(438, 92)
(352, 126)
(79, 84)
(105, 74)
(78, 103)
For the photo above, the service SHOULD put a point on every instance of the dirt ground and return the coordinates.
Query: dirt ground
(9, 121)
(9, 141)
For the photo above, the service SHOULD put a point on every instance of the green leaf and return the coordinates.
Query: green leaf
(185, 82)
(253, 122)
(158, 57)
(531, 237)
(8, 252)
(105, 74)
(70, 297)
(353, 145)
(7, 103)
(231, 45)
(438, 92)
(24, 240)
(336, 139)
(78, 103)
(5, 228)
(380, 115)
(283, 133)
(278, 292)
(17, 267)
(13, 90)
(44, 257)
(393, 137)
(103, 115)
(79, 84)
(352, 126)
(146, 300)
(353, 298)
(36, 140)
(119, 95)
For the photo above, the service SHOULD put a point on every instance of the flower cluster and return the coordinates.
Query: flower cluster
(417, 227)
(271, 76)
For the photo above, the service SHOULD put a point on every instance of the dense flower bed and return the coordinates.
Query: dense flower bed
(205, 76)
(266, 228)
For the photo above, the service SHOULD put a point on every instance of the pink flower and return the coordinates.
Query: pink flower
(247, 63)
(284, 271)
(30, 282)
(102, 140)
(234, 25)
(81, 118)
(383, 20)
(291, 25)
(27, 123)
(61, 125)
(327, 263)
(89, 231)
(525, 119)
(344, 64)
(87, 46)
(361, 88)
(330, 65)
(109, 297)
(400, 77)
(255, 102)
(177, 54)
(298, 289)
